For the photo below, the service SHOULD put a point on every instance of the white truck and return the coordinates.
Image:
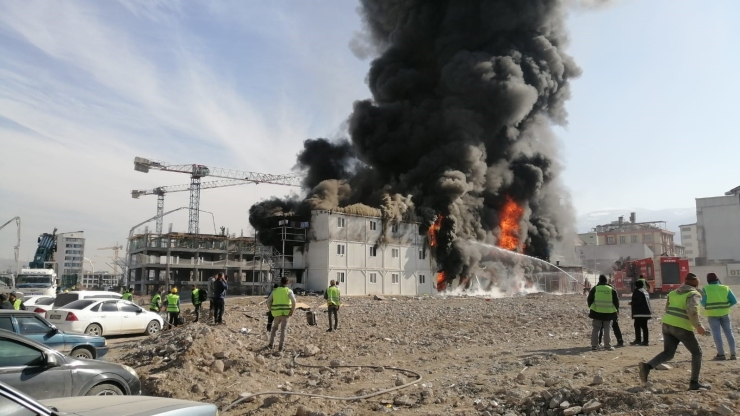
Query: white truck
(37, 282)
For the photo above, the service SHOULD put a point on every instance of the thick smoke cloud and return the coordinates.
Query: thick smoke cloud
(464, 94)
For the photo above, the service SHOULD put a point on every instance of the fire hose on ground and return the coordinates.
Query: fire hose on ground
(246, 397)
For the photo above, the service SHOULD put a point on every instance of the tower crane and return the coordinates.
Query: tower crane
(115, 249)
(162, 190)
(197, 172)
(17, 247)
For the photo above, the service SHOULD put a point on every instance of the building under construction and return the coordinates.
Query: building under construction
(177, 259)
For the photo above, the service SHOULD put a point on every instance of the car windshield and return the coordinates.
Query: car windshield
(80, 304)
(32, 280)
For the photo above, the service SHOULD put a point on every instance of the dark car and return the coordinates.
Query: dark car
(35, 327)
(44, 373)
(15, 403)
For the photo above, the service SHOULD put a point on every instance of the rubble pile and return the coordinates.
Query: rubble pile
(525, 355)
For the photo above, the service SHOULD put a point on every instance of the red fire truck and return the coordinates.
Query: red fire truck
(663, 274)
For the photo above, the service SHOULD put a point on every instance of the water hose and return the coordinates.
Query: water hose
(320, 396)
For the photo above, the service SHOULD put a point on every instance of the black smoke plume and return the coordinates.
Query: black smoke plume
(464, 94)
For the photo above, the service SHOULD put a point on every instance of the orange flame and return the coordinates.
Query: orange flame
(441, 284)
(434, 229)
(511, 214)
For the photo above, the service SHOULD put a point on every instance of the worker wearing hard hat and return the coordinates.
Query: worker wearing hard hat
(172, 305)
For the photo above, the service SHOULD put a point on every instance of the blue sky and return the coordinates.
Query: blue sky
(85, 86)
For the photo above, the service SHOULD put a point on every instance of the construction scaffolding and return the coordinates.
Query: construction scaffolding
(181, 260)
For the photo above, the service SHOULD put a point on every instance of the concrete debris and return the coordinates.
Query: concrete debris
(572, 411)
(310, 350)
(218, 366)
(663, 367)
(591, 406)
(598, 379)
(403, 401)
(723, 410)
(378, 297)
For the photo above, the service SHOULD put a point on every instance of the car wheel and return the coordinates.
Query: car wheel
(82, 353)
(105, 389)
(153, 328)
(94, 330)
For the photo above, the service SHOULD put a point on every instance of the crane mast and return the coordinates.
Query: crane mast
(17, 247)
(197, 172)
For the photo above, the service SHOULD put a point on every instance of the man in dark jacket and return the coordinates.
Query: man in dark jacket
(642, 312)
(219, 298)
(4, 304)
(603, 303)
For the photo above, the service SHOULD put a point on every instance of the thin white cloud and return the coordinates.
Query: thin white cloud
(82, 93)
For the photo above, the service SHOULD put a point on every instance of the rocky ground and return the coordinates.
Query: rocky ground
(526, 355)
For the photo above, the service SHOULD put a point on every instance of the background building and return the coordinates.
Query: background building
(589, 239)
(176, 259)
(100, 280)
(690, 242)
(653, 234)
(70, 254)
(718, 228)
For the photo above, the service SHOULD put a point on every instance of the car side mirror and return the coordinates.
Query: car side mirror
(51, 360)
(54, 329)
(139, 310)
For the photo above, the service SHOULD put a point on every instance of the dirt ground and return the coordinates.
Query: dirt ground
(524, 355)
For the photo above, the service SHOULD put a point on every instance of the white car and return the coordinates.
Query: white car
(65, 298)
(105, 317)
(38, 304)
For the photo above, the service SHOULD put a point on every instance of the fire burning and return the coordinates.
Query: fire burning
(511, 215)
(441, 284)
(434, 229)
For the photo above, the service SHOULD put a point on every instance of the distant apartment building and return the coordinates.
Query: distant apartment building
(70, 253)
(653, 234)
(718, 228)
(690, 242)
(589, 239)
(100, 280)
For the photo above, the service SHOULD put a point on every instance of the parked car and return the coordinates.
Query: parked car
(105, 317)
(15, 403)
(69, 297)
(38, 304)
(44, 373)
(33, 326)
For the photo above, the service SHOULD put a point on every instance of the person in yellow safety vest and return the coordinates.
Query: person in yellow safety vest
(603, 304)
(195, 298)
(156, 304)
(645, 284)
(281, 304)
(128, 295)
(332, 302)
(679, 322)
(717, 299)
(172, 305)
(16, 302)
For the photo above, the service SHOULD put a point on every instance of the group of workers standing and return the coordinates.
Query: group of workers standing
(680, 324)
